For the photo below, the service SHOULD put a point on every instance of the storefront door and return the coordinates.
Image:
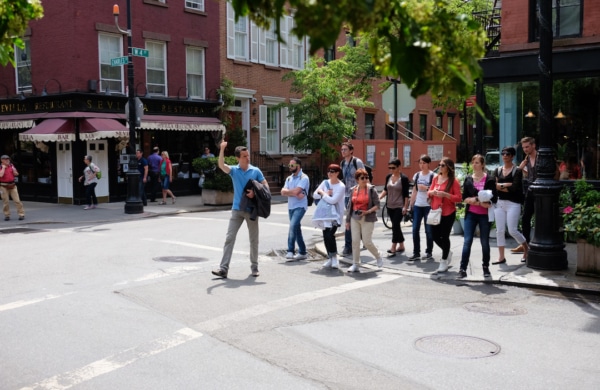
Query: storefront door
(64, 172)
(98, 150)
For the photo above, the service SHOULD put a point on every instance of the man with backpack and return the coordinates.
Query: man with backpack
(349, 165)
(420, 208)
(296, 188)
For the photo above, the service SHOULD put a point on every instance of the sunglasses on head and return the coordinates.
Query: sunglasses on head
(363, 178)
(442, 165)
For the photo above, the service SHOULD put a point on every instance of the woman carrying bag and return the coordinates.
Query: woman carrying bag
(329, 212)
(361, 216)
(444, 193)
(396, 190)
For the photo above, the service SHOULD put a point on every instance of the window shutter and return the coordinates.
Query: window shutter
(230, 31)
(283, 48)
(262, 47)
(254, 32)
(291, 38)
(263, 127)
(287, 129)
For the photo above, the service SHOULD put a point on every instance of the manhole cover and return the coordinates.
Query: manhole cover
(498, 309)
(457, 346)
(20, 230)
(180, 259)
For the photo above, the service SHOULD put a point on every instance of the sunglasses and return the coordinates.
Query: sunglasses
(331, 171)
(506, 154)
(363, 178)
(292, 165)
(392, 167)
(442, 165)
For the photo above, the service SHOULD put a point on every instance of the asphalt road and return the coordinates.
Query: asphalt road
(133, 305)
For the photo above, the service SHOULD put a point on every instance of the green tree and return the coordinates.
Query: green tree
(324, 116)
(430, 44)
(14, 17)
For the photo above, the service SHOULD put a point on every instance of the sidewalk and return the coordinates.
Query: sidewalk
(512, 273)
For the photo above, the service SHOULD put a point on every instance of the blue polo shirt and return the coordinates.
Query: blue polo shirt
(240, 179)
(295, 181)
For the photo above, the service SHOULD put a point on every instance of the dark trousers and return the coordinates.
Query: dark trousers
(329, 240)
(441, 233)
(143, 191)
(528, 210)
(90, 194)
(153, 185)
(396, 218)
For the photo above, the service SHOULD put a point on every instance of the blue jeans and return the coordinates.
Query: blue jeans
(295, 232)
(471, 222)
(420, 214)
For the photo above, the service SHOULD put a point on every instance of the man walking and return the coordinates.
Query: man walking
(296, 188)
(8, 172)
(240, 174)
(349, 165)
(143, 169)
(153, 173)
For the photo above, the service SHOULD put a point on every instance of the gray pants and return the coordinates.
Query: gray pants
(235, 222)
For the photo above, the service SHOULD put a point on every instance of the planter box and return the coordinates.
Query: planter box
(214, 197)
(457, 228)
(588, 259)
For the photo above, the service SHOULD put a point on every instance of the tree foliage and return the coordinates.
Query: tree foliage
(14, 17)
(432, 45)
(324, 116)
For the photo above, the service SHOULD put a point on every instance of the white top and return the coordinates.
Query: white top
(421, 199)
(336, 198)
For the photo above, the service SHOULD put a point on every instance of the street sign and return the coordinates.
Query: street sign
(471, 101)
(405, 104)
(136, 51)
(118, 61)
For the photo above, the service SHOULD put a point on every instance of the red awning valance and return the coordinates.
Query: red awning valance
(63, 130)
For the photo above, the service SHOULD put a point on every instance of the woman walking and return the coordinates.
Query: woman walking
(420, 208)
(331, 191)
(444, 193)
(166, 177)
(396, 190)
(509, 189)
(477, 214)
(90, 180)
(361, 217)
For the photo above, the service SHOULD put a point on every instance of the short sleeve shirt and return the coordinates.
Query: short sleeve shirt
(240, 179)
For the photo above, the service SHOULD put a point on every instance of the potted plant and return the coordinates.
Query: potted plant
(459, 223)
(217, 187)
(581, 222)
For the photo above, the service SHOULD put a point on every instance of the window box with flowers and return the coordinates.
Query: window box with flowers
(581, 223)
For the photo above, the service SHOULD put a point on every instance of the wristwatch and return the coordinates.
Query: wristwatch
(502, 185)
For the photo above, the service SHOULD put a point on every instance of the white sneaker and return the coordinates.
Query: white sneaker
(353, 268)
(300, 257)
(449, 258)
(380, 262)
(335, 263)
(290, 255)
(328, 264)
(443, 266)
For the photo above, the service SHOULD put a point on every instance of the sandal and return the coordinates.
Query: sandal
(162, 202)
(173, 200)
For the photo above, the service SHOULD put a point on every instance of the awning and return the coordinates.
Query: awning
(63, 130)
(181, 123)
(98, 128)
(51, 130)
(17, 124)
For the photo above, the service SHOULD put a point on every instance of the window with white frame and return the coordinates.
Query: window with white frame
(271, 46)
(275, 126)
(293, 49)
(451, 125)
(237, 36)
(369, 126)
(156, 72)
(197, 5)
(195, 72)
(23, 70)
(111, 77)
(272, 130)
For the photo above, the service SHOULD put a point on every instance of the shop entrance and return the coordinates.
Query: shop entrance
(64, 172)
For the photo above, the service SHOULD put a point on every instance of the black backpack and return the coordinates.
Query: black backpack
(367, 168)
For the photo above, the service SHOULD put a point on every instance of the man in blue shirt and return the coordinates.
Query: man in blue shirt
(153, 173)
(240, 174)
(296, 188)
(143, 169)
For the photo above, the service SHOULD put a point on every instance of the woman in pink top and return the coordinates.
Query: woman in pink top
(445, 193)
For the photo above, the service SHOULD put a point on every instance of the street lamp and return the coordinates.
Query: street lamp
(133, 203)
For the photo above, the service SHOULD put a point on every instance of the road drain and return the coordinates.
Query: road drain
(457, 346)
(180, 259)
(498, 309)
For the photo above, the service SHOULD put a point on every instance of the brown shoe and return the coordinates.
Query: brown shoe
(518, 249)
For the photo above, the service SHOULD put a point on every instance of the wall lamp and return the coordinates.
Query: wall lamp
(560, 115)
(147, 95)
(530, 114)
(188, 96)
(254, 111)
(45, 91)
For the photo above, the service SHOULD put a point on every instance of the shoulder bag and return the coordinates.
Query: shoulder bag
(434, 217)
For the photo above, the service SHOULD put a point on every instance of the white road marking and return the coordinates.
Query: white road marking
(163, 273)
(258, 310)
(198, 246)
(115, 362)
(22, 303)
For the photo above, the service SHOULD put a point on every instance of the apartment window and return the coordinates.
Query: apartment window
(369, 126)
(241, 38)
(438, 120)
(273, 128)
(409, 126)
(566, 19)
(197, 5)
(423, 126)
(329, 54)
(195, 72)
(156, 72)
(271, 46)
(23, 71)
(111, 77)
(451, 125)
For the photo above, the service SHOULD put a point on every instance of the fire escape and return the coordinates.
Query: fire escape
(490, 20)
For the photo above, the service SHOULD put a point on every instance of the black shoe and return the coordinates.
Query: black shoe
(7, 218)
(486, 272)
(220, 273)
(21, 217)
(414, 257)
(503, 261)
(346, 252)
(461, 274)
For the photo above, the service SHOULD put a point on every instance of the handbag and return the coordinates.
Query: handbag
(434, 217)
(325, 212)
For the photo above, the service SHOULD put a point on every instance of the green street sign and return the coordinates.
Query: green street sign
(139, 52)
(118, 61)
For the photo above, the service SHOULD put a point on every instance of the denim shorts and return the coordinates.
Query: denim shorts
(164, 181)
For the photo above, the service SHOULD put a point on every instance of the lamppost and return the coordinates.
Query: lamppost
(133, 203)
(395, 81)
(547, 247)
